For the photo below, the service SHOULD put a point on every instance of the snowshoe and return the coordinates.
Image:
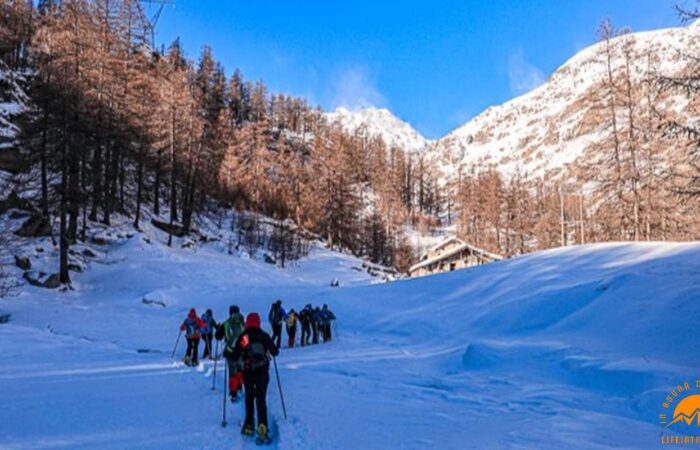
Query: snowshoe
(263, 438)
(247, 430)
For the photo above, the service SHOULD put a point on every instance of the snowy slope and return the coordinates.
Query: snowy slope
(552, 126)
(382, 123)
(570, 347)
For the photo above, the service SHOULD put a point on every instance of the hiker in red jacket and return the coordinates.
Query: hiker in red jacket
(192, 326)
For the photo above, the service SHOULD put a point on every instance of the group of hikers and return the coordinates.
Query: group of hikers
(247, 349)
(313, 320)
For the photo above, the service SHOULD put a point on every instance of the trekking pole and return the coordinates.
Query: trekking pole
(177, 341)
(223, 396)
(279, 386)
(216, 360)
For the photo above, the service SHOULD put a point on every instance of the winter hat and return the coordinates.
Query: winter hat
(278, 302)
(252, 321)
(209, 311)
(192, 314)
(233, 309)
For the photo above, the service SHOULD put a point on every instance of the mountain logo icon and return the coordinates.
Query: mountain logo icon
(687, 412)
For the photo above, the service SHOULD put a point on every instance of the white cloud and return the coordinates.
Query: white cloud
(354, 88)
(522, 75)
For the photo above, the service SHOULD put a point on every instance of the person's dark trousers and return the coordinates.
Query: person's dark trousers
(193, 349)
(255, 383)
(277, 334)
(292, 333)
(328, 332)
(305, 333)
(315, 330)
(207, 345)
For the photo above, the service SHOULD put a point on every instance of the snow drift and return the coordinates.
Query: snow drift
(574, 346)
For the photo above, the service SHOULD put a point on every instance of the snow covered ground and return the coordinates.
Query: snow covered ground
(573, 347)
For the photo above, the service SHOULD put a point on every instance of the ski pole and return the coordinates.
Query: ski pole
(279, 386)
(216, 360)
(223, 396)
(177, 341)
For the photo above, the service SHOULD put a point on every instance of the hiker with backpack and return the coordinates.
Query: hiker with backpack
(327, 316)
(276, 317)
(291, 327)
(305, 319)
(208, 333)
(253, 348)
(316, 323)
(192, 326)
(229, 331)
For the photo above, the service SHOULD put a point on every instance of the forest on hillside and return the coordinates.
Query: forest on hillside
(113, 125)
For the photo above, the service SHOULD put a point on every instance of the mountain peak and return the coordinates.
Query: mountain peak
(383, 123)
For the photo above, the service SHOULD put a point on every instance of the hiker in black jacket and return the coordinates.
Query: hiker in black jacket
(305, 319)
(277, 317)
(253, 347)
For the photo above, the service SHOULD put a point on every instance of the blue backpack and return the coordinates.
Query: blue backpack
(191, 327)
(208, 321)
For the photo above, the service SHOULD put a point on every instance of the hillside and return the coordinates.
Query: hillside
(551, 127)
(577, 345)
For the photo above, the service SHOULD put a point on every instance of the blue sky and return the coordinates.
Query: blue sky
(434, 63)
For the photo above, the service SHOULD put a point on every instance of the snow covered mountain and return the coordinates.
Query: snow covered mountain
(559, 122)
(383, 123)
(549, 128)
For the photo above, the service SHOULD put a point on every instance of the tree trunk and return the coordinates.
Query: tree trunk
(139, 187)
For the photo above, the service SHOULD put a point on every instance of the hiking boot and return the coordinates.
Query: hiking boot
(262, 432)
(247, 430)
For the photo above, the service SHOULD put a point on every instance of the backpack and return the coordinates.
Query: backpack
(233, 328)
(208, 321)
(292, 320)
(255, 355)
(275, 314)
(191, 327)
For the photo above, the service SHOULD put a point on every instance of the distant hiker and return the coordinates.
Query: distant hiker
(327, 317)
(305, 319)
(230, 330)
(292, 327)
(192, 326)
(276, 317)
(253, 347)
(208, 333)
(316, 323)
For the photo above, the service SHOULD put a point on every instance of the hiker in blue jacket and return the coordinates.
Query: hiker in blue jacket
(208, 333)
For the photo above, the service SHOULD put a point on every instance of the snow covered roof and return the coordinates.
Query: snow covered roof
(425, 261)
